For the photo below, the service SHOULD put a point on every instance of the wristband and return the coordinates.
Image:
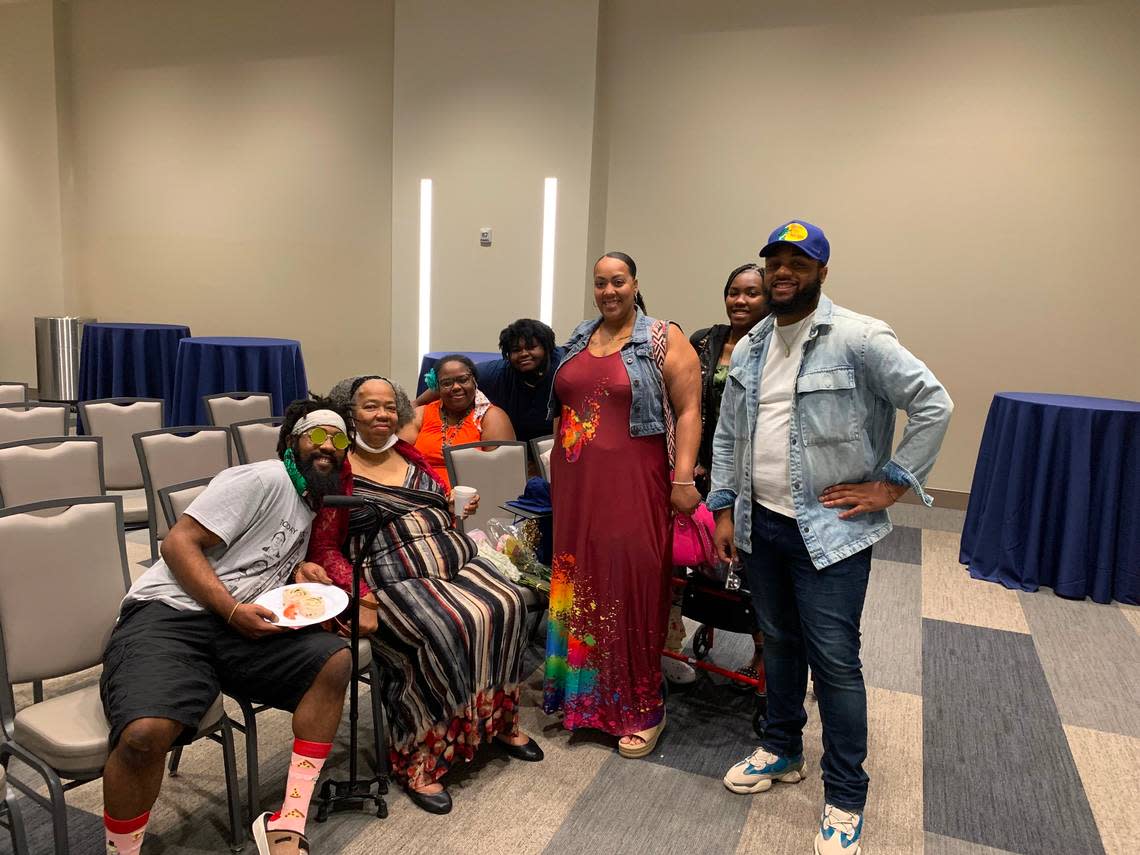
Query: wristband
(683, 483)
(231, 617)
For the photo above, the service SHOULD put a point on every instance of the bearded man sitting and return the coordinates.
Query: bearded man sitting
(189, 628)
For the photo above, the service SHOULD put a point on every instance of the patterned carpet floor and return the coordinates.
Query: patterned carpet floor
(1000, 722)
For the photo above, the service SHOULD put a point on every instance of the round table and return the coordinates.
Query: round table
(430, 359)
(212, 364)
(128, 360)
(1056, 497)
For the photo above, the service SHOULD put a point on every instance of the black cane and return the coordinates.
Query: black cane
(352, 794)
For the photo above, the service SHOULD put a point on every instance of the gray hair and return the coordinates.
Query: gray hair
(344, 393)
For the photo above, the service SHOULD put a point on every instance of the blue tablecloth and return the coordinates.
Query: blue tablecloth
(207, 365)
(128, 360)
(430, 359)
(1056, 497)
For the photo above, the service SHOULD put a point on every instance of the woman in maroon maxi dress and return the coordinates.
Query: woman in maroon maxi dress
(610, 592)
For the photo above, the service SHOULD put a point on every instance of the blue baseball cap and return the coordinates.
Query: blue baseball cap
(535, 497)
(808, 239)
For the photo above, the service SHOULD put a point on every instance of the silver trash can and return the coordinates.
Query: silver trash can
(57, 357)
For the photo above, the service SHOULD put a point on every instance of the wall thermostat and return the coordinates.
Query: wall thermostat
(485, 236)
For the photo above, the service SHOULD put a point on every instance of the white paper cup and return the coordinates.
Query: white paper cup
(462, 497)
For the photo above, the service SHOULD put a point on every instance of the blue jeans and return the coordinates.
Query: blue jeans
(811, 617)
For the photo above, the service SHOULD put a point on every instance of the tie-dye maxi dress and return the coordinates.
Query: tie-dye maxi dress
(609, 596)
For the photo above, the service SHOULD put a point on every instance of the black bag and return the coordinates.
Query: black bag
(708, 602)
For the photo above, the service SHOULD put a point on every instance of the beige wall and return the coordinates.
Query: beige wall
(31, 281)
(233, 170)
(253, 166)
(975, 168)
(490, 99)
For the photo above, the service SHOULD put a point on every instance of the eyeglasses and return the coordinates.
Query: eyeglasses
(461, 380)
(318, 435)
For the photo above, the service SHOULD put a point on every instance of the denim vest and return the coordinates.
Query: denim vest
(646, 416)
(854, 376)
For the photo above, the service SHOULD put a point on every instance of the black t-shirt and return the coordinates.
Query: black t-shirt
(524, 404)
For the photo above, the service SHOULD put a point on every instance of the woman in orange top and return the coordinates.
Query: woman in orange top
(462, 414)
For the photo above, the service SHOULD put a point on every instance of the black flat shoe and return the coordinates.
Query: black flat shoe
(528, 751)
(431, 802)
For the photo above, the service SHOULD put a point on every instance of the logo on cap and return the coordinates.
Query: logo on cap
(793, 232)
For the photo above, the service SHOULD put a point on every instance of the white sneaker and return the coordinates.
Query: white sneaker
(763, 768)
(839, 832)
(677, 672)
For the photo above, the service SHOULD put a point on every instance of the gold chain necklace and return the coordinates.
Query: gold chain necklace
(785, 342)
(450, 431)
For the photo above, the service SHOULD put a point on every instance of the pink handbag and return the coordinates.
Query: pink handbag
(693, 539)
(692, 535)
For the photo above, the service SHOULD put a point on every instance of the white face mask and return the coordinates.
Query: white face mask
(364, 446)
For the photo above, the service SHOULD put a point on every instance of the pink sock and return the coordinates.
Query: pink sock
(304, 769)
(125, 836)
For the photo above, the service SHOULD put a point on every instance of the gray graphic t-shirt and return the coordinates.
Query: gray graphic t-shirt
(264, 527)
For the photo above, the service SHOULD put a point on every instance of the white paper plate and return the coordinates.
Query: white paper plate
(336, 601)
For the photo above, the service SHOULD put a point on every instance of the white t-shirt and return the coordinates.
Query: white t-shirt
(264, 526)
(771, 485)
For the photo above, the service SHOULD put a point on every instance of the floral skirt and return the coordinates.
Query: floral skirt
(494, 713)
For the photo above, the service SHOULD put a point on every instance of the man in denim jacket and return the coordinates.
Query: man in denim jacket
(802, 476)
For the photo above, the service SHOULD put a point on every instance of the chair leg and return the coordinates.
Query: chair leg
(16, 828)
(175, 759)
(253, 784)
(233, 789)
(55, 803)
(539, 614)
(380, 741)
(38, 692)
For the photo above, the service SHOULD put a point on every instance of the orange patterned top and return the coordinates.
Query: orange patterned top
(434, 435)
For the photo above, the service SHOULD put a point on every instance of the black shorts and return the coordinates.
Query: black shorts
(165, 663)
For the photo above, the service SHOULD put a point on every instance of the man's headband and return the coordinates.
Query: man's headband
(318, 418)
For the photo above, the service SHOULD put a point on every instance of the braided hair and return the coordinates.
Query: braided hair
(744, 268)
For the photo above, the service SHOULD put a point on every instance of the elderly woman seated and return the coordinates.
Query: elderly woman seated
(448, 631)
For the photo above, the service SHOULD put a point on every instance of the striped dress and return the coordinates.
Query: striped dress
(452, 630)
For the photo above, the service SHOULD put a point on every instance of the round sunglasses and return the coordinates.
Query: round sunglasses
(318, 435)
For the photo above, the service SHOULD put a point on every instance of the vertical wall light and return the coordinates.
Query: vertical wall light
(425, 266)
(549, 212)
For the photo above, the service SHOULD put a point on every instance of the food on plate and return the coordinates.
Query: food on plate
(293, 596)
(298, 602)
(313, 605)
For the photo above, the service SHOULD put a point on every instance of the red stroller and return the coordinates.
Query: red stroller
(709, 601)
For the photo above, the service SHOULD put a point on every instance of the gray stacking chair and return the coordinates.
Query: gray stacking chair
(256, 439)
(117, 420)
(13, 392)
(33, 419)
(172, 456)
(499, 475)
(52, 467)
(175, 499)
(226, 408)
(496, 469)
(540, 449)
(78, 550)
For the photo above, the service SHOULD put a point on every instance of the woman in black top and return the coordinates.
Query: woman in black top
(745, 304)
